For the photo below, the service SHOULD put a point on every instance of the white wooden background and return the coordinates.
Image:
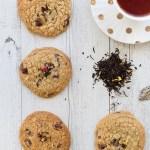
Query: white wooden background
(84, 106)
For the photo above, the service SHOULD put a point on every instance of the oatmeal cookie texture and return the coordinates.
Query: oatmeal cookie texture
(119, 131)
(44, 131)
(46, 71)
(45, 17)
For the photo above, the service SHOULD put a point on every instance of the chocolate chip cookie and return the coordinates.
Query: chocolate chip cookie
(44, 131)
(119, 131)
(46, 71)
(45, 17)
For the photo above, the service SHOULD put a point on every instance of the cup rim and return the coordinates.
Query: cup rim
(137, 18)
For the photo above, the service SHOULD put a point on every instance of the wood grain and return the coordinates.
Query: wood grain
(80, 105)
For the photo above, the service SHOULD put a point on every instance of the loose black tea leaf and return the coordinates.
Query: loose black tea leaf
(113, 71)
(93, 49)
(114, 105)
(91, 57)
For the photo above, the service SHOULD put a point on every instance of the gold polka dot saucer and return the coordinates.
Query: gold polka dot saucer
(117, 26)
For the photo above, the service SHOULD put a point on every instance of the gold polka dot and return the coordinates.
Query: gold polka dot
(129, 30)
(93, 2)
(137, 42)
(119, 16)
(101, 17)
(147, 28)
(110, 2)
(110, 31)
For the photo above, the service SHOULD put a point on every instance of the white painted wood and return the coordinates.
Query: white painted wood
(140, 54)
(87, 105)
(84, 106)
(10, 86)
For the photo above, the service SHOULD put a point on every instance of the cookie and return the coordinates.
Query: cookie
(45, 17)
(44, 131)
(119, 131)
(46, 71)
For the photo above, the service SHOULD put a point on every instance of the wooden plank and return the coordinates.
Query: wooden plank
(140, 54)
(87, 105)
(10, 86)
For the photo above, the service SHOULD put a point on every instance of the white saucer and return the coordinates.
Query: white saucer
(117, 26)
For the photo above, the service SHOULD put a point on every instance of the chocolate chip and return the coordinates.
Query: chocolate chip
(28, 143)
(59, 145)
(58, 126)
(28, 132)
(115, 142)
(102, 146)
(123, 146)
(23, 70)
(46, 74)
(45, 8)
(38, 15)
(43, 136)
(38, 82)
(56, 76)
(66, 22)
(50, 65)
(38, 22)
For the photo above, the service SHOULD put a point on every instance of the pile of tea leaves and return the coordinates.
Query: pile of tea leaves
(113, 71)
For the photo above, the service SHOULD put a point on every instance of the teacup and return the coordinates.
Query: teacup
(129, 15)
